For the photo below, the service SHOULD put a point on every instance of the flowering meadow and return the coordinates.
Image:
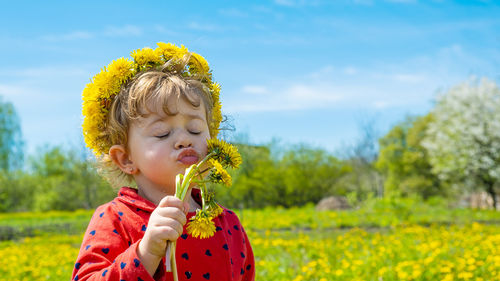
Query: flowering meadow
(302, 244)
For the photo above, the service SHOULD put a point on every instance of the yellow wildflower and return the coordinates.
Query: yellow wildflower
(145, 57)
(219, 175)
(224, 152)
(201, 225)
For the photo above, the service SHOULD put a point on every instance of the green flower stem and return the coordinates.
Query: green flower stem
(182, 183)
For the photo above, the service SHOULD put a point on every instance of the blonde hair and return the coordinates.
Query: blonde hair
(163, 86)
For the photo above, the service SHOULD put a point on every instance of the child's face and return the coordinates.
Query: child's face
(162, 146)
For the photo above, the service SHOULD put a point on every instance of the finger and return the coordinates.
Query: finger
(186, 208)
(171, 212)
(171, 201)
(171, 231)
(167, 233)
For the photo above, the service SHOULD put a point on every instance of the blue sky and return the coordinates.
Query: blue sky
(296, 70)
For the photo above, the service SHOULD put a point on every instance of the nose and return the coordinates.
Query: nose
(183, 140)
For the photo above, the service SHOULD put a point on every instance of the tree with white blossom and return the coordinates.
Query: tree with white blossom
(464, 140)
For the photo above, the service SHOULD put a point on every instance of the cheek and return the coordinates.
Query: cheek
(203, 143)
(154, 153)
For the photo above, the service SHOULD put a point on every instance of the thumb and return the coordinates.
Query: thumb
(170, 201)
(186, 207)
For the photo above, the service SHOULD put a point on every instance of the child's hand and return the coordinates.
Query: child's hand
(166, 223)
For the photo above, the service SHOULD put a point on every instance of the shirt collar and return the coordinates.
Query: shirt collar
(130, 196)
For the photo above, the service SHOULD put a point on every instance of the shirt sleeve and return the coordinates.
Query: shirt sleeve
(106, 252)
(249, 259)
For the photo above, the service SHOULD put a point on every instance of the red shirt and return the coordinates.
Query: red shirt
(109, 247)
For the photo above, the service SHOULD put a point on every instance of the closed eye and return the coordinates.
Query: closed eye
(163, 136)
(195, 132)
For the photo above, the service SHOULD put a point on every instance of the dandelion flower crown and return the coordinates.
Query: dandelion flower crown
(99, 94)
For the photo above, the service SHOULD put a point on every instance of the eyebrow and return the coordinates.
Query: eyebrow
(160, 118)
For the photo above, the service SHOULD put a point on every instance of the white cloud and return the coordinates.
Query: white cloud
(409, 77)
(295, 97)
(254, 89)
(380, 104)
(233, 12)
(402, 1)
(109, 31)
(10, 91)
(119, 31)
(285, 2)
(74, 35)
(350, 70)
(203, 27)
(44, 72)
(294, 3)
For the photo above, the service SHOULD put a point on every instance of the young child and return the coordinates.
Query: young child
(147, 120)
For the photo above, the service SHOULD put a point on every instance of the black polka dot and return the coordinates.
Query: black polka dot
(137, 262)
(76, 278)
(242, 255)
(77, 265)
(242, 271)
(104, 273)
(143, 227)
(208, 253)
(188, 274)
(249, 267)
(229, 232)
(101, 214)
(87, 247)
(184, 236)
(122, 265)
(105, 250)
(218, 228)
(206, 276)
(92, 232)
(185, 256)
(230, 212)
(236, 227)
(225, 247)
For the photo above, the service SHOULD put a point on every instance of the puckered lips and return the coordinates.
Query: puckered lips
(188, 156)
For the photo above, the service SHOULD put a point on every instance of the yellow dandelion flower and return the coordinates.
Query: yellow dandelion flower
(224, 152)
(219, 175)
(167, 50)
(198, 64)
(121, 69)
(103, 82)
(145, 57)
(201, 225)
(214, 209)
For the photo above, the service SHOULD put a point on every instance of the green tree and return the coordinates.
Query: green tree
(66, 180)
(464, 139)
(271, 176)
(308, 175)
(11, 144)
(404, 162)
(256, 183)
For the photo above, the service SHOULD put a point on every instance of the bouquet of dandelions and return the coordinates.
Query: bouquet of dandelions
(212, 168)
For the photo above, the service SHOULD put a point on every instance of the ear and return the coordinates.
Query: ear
(121, 158)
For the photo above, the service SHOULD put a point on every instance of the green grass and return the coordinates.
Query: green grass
(377, 213)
